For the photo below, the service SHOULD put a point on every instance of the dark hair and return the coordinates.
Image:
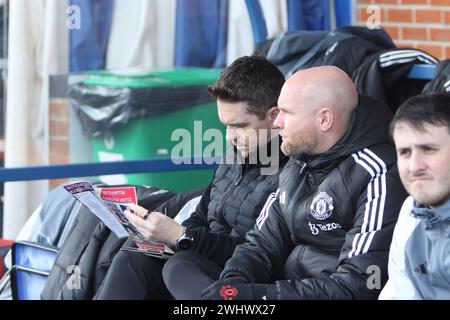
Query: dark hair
(431, 108)
(253, 80)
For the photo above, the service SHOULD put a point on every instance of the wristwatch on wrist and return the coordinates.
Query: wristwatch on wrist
(184, 242)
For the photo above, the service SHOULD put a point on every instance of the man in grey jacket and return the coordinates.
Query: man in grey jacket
(419, 260)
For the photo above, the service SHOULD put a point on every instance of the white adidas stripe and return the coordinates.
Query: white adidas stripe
(376, 199)
(406, 60)
(447, 86)
(383, 186)
(265, 210)
(395, 52)
(406, 54)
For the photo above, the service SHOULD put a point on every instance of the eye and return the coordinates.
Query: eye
(428, 149)
(403, 152)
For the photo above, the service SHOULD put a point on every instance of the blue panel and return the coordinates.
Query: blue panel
(89, 43)
(29, 285)
(34, 256)
(32, 262)
(257, 20)
(296, 19)
(343, 12)
(308, 14)
(201, 33)
(422, 71)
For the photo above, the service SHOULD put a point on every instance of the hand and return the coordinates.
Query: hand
(157, 227)
(234, 289)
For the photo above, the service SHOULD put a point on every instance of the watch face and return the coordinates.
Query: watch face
(184, 243)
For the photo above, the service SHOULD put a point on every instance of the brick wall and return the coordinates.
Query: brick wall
(59, 135)
(421, 24)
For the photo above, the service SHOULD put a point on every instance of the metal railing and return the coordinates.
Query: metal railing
(102, 168)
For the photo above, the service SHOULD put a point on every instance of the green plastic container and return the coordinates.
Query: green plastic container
(150, 137)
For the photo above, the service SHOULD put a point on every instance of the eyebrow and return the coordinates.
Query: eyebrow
(421, 145)
(237, 124)
(431, 144)
(283, 109)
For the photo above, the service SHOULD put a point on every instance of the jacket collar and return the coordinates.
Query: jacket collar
(430, 215)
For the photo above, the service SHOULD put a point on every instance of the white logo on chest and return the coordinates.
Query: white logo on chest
(322, 206)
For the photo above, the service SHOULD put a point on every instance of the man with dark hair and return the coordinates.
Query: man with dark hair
(242, 82)
(247, 93)
(326, 233)
(419, 260)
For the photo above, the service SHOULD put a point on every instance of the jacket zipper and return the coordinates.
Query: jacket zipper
(228, 194)
(241, 174)
(297, 203)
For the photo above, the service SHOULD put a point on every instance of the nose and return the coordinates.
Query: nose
(279, 121)
(416, 163)
(230, 135)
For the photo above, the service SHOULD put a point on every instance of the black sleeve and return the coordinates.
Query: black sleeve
(218, 246)
(362, 270)
(261, 259)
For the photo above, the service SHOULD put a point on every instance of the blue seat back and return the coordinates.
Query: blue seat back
(31, 265)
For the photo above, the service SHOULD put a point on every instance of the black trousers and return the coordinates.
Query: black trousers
(187, 273)
(133, 276)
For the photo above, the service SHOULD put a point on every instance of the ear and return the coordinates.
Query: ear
(272, 114)
(326, 118)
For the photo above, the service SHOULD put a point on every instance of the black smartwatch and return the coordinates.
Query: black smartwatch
(185, 241)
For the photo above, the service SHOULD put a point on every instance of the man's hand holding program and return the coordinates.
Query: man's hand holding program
(157, 227)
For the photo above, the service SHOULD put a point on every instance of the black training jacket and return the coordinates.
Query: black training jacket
(326, 232)
(384, 75)
(441, 79)
(230, 206)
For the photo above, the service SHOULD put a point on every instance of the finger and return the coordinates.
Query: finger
(138, 210)
(134, 219)
(137, 223)
(146, 215)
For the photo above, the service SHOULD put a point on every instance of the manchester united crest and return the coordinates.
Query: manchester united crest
(322, 206)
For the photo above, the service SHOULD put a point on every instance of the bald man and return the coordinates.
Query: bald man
(325, 233)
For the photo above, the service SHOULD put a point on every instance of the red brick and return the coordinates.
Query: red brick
(409, 33)
(387, 1)
(440, 2)
(428, 16)
(59, 108)
(59, 147)
(415, 1)
(447, 17)
(394, 32)
(447, 53)
(400, 15)
(440, 35)
(56, 182)
(435, 51)
(58, 159)
(59, 127)
(404, 44)
(363, 15)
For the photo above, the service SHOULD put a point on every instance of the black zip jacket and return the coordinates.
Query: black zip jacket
(229, 208)
(441, 79)
(384, 75)
(345, 48)
(326, 233)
